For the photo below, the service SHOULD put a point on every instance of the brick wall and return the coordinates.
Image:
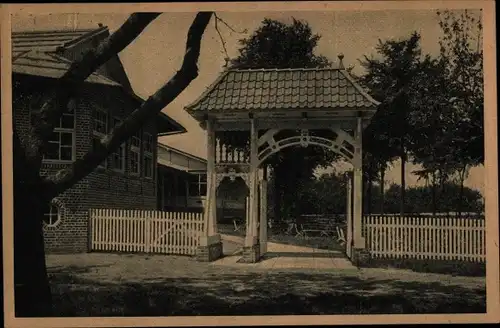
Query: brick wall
(103, 188)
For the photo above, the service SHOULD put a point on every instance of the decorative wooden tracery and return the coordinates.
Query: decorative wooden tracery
(232, 172)
(343, 143)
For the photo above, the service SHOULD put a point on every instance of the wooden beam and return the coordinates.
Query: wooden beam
(358, 187)
(349, 238)
(251, 235)
(265, 124)
(211, 200)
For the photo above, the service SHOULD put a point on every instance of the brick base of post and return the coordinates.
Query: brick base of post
(209, 253)
(251, 254)
(360, 257)
(210, 249)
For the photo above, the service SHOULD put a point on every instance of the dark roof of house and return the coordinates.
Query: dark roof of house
(49, 41)
(177, 150)
(51, 65)
(283, 89)
(36, 53)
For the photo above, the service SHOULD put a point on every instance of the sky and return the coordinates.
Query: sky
(157, 53)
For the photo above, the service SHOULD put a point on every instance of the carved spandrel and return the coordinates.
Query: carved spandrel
(218, 179)
(232, 171)
(232, 177)
(223, 168)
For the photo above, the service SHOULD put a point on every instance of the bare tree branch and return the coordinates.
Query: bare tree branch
(66, 178)
(221, 39)
(228, 26)
(218, 19)
(55, 101)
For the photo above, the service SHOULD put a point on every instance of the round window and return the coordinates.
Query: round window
(54, 213)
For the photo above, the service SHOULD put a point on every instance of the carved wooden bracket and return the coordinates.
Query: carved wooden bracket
(232, 172)
(343, 144)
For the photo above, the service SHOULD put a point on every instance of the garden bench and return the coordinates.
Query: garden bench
(237, 226)
(315, 228)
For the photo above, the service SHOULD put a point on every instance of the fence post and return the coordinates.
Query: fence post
(147, 227)
(90, 231)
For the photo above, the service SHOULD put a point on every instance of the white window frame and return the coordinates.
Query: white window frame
(59, 208)
(60, 130)
(135, 150)
(98, 134)
(198, 184)
(148, 154)
(120, 152)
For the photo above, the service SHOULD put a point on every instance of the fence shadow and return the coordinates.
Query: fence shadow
(456, 268)
(270, 255)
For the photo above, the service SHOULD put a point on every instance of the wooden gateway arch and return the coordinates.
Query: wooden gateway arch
(265, 102)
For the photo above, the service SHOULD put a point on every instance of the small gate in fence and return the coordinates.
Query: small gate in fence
(417, 237)
(145, 231)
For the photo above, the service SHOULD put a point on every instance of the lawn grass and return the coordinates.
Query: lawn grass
(140, 285)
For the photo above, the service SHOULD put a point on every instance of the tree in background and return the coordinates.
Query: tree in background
(325, 194)
(448, 100)
(433, 120)
(33, 190)
(418, 199)
(279, 45)
(377, 157)
(389, 80)
(462, 50)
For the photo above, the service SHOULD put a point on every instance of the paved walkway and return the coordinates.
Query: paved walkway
(282, 256)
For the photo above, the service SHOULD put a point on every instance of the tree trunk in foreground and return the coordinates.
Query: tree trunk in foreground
(32, 192)
(462, 173)
(382, 189)
(403, 184)
(434, 196)
(32, 290)
(369, 195)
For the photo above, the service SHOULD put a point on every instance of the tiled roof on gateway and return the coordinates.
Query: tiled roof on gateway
(283, 89)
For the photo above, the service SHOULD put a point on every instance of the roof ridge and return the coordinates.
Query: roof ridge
(359, 88)
(284, 69)
(61, 39)
(85, 36)
(18, 33)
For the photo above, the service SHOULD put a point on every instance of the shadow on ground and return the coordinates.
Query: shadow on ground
(258, 293)
(270, 255)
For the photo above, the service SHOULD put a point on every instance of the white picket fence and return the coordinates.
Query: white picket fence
(145, 231)
(417, 237)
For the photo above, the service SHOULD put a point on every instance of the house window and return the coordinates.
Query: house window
(117, 158)
(135, 153)
(148, 155)
(198, 185)
(52, 214)
(100, 130)
(61, 144)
